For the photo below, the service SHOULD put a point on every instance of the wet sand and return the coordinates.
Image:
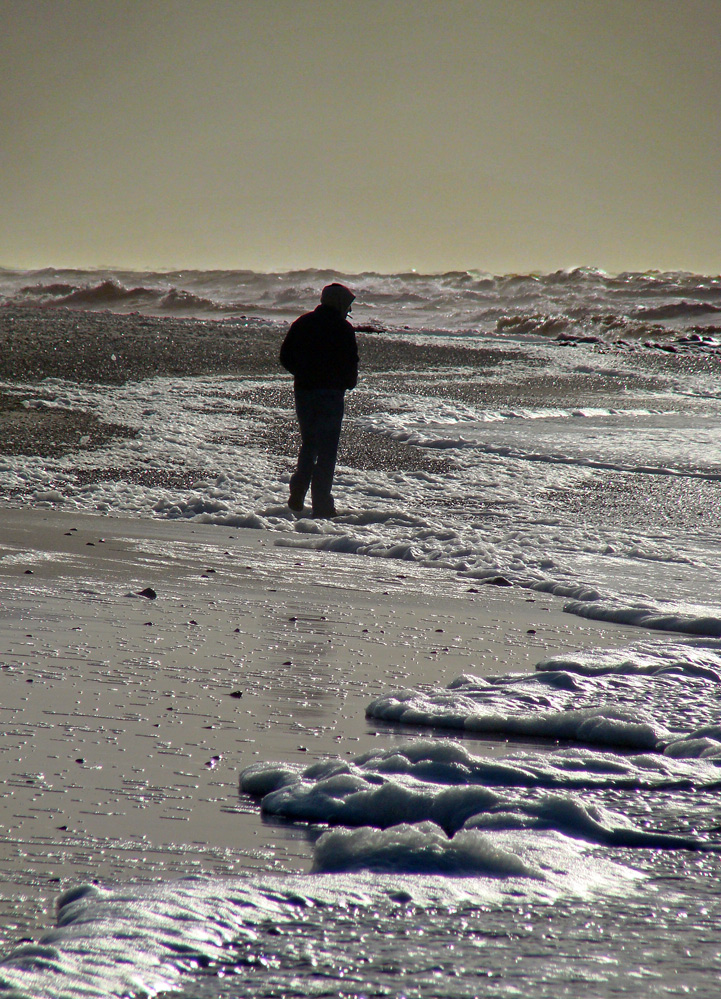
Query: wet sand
(126, 719)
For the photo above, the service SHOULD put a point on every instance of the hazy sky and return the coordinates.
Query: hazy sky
(499, 135)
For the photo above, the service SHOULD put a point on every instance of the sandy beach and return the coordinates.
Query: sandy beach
(461, 739)
(167, 623)
(126, 719)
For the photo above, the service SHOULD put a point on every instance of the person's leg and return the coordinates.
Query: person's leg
(305, 408)
(329, 418)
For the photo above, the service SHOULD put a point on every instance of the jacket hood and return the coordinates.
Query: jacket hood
(337, 297)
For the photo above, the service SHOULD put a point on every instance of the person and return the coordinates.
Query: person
(321, 353)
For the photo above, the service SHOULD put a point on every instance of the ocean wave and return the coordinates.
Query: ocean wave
(43, 291)
(539, 325)
(110, 294)
(105, 293)
(186, 301)
(578, 301)
(674, 310)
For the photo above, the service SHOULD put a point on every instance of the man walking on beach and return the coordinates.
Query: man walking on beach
(320, 352)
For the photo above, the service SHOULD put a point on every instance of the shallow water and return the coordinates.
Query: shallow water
(441, 870)
(547, 950)
(584, 462)
(542, 496)
(648, 926)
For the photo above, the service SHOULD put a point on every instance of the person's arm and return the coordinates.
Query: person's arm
(352, 360)
(287, 351)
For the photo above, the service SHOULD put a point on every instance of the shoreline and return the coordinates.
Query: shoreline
(127, 719)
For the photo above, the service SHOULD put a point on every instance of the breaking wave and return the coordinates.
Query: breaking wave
(581, 304)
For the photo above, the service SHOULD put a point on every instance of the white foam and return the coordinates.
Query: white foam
(427, 781)
(689, 659)
(687, 619)
(466, 707)
(422, 848)
(547, 857)
(639, 697)
(142, 940)
(487, 515)
(593, 823)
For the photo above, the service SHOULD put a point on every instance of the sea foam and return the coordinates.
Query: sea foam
(141, 940)
(634, 698)
(448, 786)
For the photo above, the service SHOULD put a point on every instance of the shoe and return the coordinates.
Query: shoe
(295, 503)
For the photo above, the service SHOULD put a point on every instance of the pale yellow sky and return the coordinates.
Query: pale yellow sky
(499, 135)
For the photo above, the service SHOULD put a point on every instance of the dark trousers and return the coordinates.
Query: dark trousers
(320, 415)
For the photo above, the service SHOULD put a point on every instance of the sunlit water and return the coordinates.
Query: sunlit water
(585, 863)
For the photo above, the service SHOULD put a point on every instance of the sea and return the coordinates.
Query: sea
(572, 447)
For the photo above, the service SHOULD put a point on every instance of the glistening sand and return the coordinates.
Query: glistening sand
(121, 737)
(561, 434)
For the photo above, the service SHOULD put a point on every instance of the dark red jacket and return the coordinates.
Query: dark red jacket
(320, 351)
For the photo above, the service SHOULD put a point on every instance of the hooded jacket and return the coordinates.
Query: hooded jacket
(320, 351)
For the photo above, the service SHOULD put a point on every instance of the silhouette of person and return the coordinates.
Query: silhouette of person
(321, 353)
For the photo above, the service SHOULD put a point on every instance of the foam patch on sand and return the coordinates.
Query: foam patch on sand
(639, 698)
(688, 620)
(444, 784)
(424, 848)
